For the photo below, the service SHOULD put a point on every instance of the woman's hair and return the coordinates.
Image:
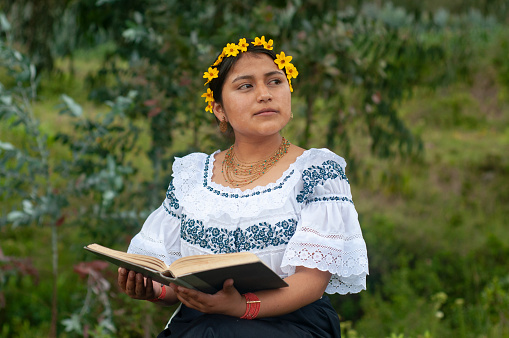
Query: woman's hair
(216, 85)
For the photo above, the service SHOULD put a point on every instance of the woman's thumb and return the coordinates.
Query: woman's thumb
(228, 285)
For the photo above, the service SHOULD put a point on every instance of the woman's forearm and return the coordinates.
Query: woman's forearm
(305, 286)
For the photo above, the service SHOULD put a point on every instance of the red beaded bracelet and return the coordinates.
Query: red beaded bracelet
(161, 295)
(252, 306)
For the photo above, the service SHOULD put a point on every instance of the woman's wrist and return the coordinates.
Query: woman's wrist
(252, 306)
(161, 296)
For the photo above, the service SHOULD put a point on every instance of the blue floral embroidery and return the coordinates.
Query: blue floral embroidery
(329, 198)
(218, 240)
(172, 199)
(317, 175)
(227, 195)
(170, 212)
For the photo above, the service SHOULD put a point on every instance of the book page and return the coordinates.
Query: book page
(190, 264)
(148, 261)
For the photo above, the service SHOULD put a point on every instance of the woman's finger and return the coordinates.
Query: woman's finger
(140, 286)
(131, 283)
(191, 298)
(149, 290)
(122, 278)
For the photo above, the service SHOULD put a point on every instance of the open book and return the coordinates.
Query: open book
(205, 273)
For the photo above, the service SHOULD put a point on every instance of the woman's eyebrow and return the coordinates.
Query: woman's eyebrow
(250, 77)
(275, 72)
(243, 77)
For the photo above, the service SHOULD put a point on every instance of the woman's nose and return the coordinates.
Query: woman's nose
(264, 94)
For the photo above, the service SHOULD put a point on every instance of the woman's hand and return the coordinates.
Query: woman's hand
(136, 286)
(227, 301)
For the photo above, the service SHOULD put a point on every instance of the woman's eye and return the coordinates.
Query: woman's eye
(276, 81)
(245, 86)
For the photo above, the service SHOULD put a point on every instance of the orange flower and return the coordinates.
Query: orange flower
(282, 60)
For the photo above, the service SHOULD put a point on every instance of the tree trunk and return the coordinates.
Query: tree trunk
(54, 302)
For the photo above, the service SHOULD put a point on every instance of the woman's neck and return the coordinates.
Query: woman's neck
(250, 150)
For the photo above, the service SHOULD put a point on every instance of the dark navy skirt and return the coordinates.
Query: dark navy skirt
(318, 319)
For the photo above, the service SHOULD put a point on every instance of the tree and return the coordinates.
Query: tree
(38, 187)
(353, 64)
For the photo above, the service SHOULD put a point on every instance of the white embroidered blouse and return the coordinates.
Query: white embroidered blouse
(306, 218)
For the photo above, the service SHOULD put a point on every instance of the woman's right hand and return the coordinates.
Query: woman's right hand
(136, 286)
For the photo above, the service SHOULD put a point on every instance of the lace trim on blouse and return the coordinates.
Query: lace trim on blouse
(348, 270)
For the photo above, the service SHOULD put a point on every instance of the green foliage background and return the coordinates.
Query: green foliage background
(97, 97)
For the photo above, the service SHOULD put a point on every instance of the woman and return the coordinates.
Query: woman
(291, 207)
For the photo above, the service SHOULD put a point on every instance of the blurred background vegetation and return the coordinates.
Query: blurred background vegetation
(98, 96)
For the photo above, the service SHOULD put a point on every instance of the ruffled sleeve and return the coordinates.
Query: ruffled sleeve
(160, 235)
(328, 235)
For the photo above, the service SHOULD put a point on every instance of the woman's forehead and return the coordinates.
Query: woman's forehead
(253, 64)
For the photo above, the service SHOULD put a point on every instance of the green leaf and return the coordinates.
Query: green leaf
(6, 99)
(4, 23)
(28, 208)
(17, 218)
(74, 108)
(72, 324)
(7, 146)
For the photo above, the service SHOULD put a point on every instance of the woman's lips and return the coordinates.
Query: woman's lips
(268, 111)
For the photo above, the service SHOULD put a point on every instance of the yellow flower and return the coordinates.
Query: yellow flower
(290, 83)
(211, 74)
(219, 59)
(209, 95)
(282, 60)
(259, 42)
(268, 45)
(243, 45)
(209, 107)
(291, 71)
(231, 49)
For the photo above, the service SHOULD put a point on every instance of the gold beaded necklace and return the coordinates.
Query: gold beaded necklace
(239, 173)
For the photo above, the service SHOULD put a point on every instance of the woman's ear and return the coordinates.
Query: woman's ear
(217, 108)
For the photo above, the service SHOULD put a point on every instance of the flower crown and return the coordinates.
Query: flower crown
(232, 49)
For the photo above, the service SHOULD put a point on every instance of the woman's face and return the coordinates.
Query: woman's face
(256, 97)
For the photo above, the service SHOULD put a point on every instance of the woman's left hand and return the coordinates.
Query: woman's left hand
(227, 301)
